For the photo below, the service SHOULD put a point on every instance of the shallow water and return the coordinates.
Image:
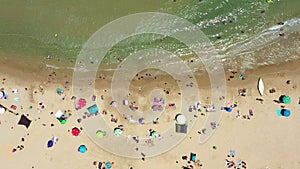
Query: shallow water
(238, 29)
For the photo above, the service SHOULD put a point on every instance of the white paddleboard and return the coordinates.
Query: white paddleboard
(261, 86)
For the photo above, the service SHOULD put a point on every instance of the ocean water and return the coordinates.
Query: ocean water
(246, 33)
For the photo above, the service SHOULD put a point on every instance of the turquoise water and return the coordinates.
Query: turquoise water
(28, 28)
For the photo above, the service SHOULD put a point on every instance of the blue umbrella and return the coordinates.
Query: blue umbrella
(108, 165)
(50, 143)
(286, 113)
(228, 109)
(141, 120)
(232, 152)
(82, 149)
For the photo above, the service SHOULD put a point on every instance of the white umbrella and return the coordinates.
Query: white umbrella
(1, 94)
(181, 119)
(2, 110)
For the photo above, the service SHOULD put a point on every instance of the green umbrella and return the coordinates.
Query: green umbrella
(287, 99)
(100, 134)
(155, 135)
(118, 132)
(63, 121)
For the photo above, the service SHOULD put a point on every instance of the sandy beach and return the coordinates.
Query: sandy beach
(153, 102)
(262, 140)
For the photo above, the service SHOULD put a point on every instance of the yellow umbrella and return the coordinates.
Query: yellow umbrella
(100, 134)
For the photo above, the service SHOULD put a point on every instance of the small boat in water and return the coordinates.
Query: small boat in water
(261, 86)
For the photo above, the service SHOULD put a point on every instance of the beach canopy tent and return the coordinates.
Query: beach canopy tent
(58, 114)
(181, 128)
(285, 112)
(180, 119)
(93, 109)
(75, 131)
(24, 121)
(193, 157)
(50, 143)
(285, 99)
(82, 149)
(60, 91)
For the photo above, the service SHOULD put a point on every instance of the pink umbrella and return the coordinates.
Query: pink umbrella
(82, 103)
(75, 131)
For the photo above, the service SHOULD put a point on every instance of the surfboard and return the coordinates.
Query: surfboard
(261, 86)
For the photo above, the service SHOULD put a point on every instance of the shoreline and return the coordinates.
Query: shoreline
(25, 70)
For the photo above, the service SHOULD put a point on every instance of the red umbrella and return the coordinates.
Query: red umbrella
(75, 131)
(82, 102)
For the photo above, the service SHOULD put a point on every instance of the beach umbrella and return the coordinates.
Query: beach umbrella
(62, 120)
(286, 99)
(118, 131)
(75, 131)
(5, 96)
(232, 152)
(155, 135)
(141, 120)
(228, 109)
(100, 134)
(285, 112)
(60, 91)
(108, 165)
(180, 119)
(50, 143)
(2, 110)
(82, 103)
(82, 149)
